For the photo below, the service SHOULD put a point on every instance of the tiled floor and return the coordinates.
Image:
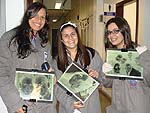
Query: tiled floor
(105, 98)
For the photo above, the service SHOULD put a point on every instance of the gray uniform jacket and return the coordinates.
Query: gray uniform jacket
(128, 98)
(92, 105)
(9, 61)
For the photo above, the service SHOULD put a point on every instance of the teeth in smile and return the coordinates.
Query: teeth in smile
(36, 24)
(114, 39)
(71, 42)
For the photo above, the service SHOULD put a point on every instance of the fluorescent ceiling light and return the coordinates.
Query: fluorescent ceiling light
(55, 20)
(58, 5)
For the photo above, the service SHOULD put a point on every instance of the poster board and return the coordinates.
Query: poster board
(125, 63)
(78, 82)
(35, 85)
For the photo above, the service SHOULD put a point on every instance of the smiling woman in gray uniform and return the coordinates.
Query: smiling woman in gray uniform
(70, 48)
(25, 46)
(128, 95)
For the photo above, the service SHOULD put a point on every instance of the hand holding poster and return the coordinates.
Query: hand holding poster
(125, 63)
(34, 85)
(78, 82)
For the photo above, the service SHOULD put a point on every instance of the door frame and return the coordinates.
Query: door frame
(120, 10)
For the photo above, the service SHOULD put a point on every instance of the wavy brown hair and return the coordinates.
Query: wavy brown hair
(82, 51)
(124, 29)
(23, 31)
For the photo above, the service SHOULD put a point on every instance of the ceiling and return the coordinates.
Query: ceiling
(50, 4)
(57, 13)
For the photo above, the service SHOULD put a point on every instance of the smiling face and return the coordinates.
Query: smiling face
(70, 38)
(38, 21)
(115, 36)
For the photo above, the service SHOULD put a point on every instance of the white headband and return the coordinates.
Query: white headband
(68, 23)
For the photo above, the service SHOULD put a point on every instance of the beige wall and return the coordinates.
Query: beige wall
(141, 22)
(91, 29)
(131, 17)
(83, 17)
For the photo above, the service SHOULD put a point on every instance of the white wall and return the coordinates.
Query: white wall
(2, 17)
(147, 23)
(14, 13)
(2, 106)
(144, 23)
(11, 12)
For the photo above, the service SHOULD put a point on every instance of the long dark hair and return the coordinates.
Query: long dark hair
(124, 29)
(82, 51)
(23, 31)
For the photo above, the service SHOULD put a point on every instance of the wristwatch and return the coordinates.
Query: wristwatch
(25, 108)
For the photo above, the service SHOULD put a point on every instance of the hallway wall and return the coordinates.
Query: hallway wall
(11, 12)
(87, 14)
(146, 16)
(94, 30)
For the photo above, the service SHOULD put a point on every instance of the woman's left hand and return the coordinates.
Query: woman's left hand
(51, 70)
(93, 73)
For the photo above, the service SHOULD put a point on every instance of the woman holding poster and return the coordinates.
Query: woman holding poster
(128, 95)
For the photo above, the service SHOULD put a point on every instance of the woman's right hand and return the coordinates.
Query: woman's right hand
(51, 70)
(78, 105)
